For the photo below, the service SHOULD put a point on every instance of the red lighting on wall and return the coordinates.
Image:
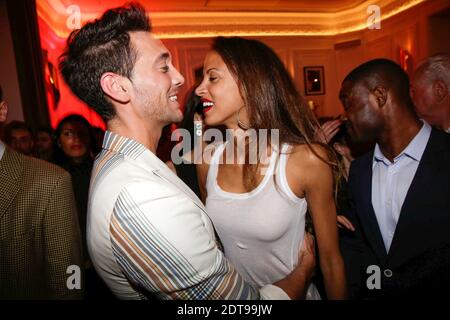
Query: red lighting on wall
(61, 101)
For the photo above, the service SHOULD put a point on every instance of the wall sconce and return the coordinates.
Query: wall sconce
(51, 82)
(405, 61)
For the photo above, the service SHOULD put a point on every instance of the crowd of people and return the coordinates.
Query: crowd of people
(353, 207)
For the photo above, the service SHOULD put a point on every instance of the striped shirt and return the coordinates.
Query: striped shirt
(149, 235)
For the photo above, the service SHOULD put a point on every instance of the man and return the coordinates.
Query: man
(44, 144)
(40, 245)
(148, 234)
(430, 91)
(19, 137)
(401, 189)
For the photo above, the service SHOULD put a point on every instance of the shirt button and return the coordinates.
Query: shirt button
(388, 273)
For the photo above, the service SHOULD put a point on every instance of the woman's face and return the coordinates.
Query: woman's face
(219, 93)
(74, 140)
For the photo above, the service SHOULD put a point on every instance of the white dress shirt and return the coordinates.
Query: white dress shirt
(391, 181)
(2, 149)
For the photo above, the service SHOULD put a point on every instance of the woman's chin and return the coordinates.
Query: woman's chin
(211, 122)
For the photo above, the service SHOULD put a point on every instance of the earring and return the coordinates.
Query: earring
(241, 124)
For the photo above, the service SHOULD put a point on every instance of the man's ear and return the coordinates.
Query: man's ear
(380, 94)
(115, 87)
(440, 90)
(3, 111)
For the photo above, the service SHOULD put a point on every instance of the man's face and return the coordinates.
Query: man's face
(155, 81)
(44, 141)
(422, 95)
(3, 111)
(365, 120)
(22, 141)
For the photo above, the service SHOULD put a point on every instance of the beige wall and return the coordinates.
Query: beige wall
(408, 30)
(8, 72)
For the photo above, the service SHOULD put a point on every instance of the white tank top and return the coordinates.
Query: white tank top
(262, 230)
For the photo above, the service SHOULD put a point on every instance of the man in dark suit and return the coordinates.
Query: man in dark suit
(400, 190)
(40, 245)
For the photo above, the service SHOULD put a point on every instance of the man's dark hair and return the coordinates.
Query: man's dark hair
(102, 46)
(382, 72)
(13, 126)
(46, 130)
(1, 94)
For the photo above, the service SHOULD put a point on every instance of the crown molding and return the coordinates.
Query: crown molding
(200, 24)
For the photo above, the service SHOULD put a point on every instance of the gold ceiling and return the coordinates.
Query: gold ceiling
(208, 18)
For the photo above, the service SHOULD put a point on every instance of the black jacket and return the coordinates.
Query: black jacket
(418, 262)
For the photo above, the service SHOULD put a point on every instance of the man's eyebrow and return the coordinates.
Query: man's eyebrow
(162, 57)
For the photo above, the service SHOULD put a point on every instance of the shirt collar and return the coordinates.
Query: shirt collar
(122, 145)
(448, 130)
(414, 149)
(2, 149)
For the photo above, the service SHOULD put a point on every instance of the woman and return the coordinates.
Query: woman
(74, 153)
(261, 220)
(76, 147)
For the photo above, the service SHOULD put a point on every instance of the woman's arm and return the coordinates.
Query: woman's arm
(315, 182)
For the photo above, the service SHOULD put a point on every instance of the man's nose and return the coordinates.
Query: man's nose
(178, 79)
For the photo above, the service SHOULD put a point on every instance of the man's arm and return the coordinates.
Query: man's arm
(62, 241)
(166, 248)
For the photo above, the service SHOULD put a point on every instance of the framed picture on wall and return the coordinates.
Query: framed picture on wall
(314, 80)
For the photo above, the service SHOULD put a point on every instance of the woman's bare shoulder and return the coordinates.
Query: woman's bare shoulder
(304, 154)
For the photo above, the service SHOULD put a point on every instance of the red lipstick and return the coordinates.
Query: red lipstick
(206, 105)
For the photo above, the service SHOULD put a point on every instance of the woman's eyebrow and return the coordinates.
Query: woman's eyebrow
(211, 69)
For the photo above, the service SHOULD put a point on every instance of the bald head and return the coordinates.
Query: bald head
(430, 90)
(434, 68)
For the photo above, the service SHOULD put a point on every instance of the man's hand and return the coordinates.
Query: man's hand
(296, 284)
(307, 256)
(343, 222)
(327, 131)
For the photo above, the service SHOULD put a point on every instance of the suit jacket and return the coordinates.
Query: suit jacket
(149, 235)
(39, 231)
(418, 262)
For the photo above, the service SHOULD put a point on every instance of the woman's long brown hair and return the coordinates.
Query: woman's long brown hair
(270, 96)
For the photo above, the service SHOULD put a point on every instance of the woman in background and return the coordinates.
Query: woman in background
(76, 147)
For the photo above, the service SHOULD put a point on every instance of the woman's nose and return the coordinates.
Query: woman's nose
(200, 90)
